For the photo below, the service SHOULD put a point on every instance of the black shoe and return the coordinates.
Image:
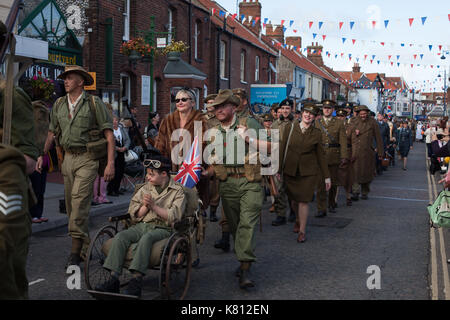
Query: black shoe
(93, 203)
(74, 260)
(223, 243)
(321, 214)
(355, 197)
(279, 221)
(134, 287)
(291, 216)
(112, 285)
(195, 263)
(364, 197)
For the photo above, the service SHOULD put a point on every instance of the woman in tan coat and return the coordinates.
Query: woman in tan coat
(184, 117)
(302, 160)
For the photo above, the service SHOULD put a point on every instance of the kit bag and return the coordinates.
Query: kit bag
(440, 210)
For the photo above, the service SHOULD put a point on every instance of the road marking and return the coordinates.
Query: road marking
(402, 199)
(36, 281)
(402, 188)
(434, 277)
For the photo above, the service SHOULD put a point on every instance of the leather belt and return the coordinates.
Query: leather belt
(235, 170)
(76, 150)
(332, 145)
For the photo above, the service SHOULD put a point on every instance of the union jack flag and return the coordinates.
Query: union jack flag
(190, 171)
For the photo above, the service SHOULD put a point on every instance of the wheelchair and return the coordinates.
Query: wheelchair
(171, 257)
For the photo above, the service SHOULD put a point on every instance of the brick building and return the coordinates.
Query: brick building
(229, 53)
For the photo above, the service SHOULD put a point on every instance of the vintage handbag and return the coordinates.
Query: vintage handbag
(385, 161)
(439, 211)
(130, 156)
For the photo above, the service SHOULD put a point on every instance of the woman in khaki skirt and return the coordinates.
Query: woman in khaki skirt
(302, 159)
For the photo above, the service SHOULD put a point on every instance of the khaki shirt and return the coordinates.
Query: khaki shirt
(75, 131)
(171, 198)
(22, 122)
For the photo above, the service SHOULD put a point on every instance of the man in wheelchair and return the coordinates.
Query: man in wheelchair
(154, 209)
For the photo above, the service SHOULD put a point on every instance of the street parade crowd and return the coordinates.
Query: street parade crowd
(319, 147)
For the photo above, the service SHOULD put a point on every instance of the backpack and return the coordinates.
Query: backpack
(440, 210)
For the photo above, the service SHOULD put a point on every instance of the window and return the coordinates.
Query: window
(170, 27)
(197, 46)
(223, 48)
(243, 66)
(257, 68)
(126, 20)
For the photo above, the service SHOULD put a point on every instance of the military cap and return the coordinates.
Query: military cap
(158, 162)
(348, 105)
(267, 117)
(362, 108)
(287, 102)
(341, 113)
(328, 103)
(311, 107)
(225, 96)
(241, 93)
(210, 97)
(88, 80)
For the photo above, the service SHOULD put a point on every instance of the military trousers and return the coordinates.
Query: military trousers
(142, 236)
(79, 173)
(322, 204)
(363, 188)
(280, 202)
(242, 203)
(214, 200)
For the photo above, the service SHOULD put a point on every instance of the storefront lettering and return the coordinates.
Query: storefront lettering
(59, 58)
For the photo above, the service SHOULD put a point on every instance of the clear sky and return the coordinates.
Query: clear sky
(416, 38)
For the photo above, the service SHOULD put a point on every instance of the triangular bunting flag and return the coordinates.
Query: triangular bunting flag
(423, 20)
(323, 37)
(213, 11)
(310, 24)
(430, 46)
(282, 22)
(343, 40)
(235, 15)
(295, 31)
(440, 47)
(340, 25)
(352, 23)
(314, 35)
(374, 23)
(389, 57)
(411, 20)
(386, 22)
(365, 56)
(398, 57)
(371, 61)
(382, 43)
(291, 23)
(415, 56)
(353, 40)
(320, 24)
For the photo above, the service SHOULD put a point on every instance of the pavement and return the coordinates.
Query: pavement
(55, 191)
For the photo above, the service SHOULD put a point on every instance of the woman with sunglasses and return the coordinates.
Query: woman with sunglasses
(184, 117)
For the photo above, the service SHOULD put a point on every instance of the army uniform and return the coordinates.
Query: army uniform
(334, 140)
(239, 188)
(281, 201)
(15, 224)
(78, 168)
(364, 166)
(16, 196)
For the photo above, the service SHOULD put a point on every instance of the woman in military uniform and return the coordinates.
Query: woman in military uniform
(302, 160)
(405, 140)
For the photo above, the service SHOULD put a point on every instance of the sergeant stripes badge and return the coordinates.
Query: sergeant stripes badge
(9, 204)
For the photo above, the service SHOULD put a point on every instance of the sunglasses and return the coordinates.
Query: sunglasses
(182, 99)
(154, 163)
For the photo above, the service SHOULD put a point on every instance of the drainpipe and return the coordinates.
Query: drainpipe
(219, 32)
(190, 31)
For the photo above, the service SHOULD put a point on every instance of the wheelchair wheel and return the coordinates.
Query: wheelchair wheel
(94, 273)
(178, 268)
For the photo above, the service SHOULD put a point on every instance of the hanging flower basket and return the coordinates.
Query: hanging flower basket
(40, 88)
(139, 45)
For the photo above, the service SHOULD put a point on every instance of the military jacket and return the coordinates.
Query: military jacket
(75, 131)
(336, 146)
(280, 124)
(171, 198)
(22, 123)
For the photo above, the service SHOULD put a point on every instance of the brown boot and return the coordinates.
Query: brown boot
(244, 281)
(272, 208)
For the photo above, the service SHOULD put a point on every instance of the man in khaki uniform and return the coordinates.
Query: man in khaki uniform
(334, 140)
(72, 120)
(154, 209)
(240, 181)
(281, 201)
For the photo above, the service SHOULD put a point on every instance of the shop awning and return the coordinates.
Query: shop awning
(177, 68)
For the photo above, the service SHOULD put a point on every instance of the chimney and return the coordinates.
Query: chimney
(356, 68)
(275, 32)
(294, 41)
(315, 54)
(251, 8)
